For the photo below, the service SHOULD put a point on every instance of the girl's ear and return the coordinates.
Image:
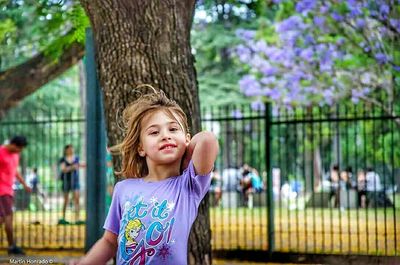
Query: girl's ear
(187, 141)
(141, 151)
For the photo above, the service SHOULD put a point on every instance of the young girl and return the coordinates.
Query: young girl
(167, 175)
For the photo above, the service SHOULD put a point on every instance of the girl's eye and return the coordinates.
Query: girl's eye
(173, 129)
(153, 133)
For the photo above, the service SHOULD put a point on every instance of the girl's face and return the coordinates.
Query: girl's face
(162, 139)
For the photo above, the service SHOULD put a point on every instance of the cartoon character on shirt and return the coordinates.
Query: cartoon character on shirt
(132, 231)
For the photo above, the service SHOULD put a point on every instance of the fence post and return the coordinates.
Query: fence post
(270, 193)
(95, 149)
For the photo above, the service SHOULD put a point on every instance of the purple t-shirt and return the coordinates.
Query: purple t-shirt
(153, 219)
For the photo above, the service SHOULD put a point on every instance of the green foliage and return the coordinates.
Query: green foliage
(29, 27)
(7, 26)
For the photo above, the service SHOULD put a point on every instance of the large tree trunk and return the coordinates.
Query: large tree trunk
(148, 42)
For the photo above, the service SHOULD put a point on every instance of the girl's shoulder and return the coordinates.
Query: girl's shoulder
(126, 185)
(128, 181)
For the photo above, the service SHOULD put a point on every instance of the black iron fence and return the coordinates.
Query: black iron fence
(37, 215)
(303, 207)
(334, 173)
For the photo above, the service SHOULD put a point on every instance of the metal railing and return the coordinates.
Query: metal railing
(36, 215)
(309, 211)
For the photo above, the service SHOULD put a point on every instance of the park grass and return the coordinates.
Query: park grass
(335, 231)
(374, 232)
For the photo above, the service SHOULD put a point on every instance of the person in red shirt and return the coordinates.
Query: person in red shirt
(9, 161)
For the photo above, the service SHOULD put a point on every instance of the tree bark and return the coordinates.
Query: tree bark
(20, 81)
(148, 42)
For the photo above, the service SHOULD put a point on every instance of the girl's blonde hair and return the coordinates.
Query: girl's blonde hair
(133, 165)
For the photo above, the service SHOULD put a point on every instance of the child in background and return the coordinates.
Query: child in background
(167, 175)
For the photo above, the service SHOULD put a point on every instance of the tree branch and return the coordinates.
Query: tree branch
(20, 81)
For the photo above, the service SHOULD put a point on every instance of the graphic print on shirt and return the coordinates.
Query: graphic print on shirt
(132, 231)
(146, 230)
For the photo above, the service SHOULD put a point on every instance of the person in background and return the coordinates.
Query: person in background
(334, 179)
(216, 186)
(9, 161)
(361, 189)
(245, 183)
(69, 166)
(373, 181)
(33, 181)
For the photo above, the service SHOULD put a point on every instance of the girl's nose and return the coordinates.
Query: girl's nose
(166, 135)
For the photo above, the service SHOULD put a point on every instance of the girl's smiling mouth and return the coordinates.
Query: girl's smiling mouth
(168, 146)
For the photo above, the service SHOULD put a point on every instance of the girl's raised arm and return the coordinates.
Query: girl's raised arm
(203, 150)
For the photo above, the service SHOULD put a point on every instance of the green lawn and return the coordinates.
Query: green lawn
(310, 230)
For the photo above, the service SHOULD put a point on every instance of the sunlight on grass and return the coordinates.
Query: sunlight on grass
(309, 231)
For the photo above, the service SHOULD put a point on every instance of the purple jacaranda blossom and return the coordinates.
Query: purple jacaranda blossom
(366, 91)
(323, 9)
(357, 94)
(275, 110)
(328, 96)
(383, 30)
(373, 13)
(381, 58)
(366, 78)
(268, 80)
(310, 90)
(257, 105)
(384, 9)
(320, 48)
(325, 66)
(290, 37)
(245, 34)
(309, 40)
(289, 68)
(249, 86)
(307, 54)
(275, 54)
(268, 70)
(244, 53)
(293, 91)
(360, 23)
(395, 23)
(396, 68)
(287, 101)
(351, 3)
(355, 9)
(237, 114)
(319, 21)
(294, 22)
(326, 59)
(294, 78)
(260, 46)
(336, 16)
(274, 94)
(304, 6)
(259, 62)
